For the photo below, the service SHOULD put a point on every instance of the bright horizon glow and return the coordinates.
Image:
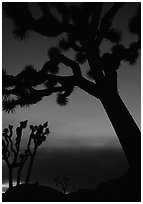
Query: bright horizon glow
(6, 184)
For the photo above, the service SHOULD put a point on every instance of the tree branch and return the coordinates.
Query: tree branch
(29, 95)
(12, 149)
(29, 143)
(77, 48)
(73, 65)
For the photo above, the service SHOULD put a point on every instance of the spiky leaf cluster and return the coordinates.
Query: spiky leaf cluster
(64, 44)
(18, 90)
(22, 18)
(39, 133)
(80, 57)
(135, 22)
(113, 35)
(61, 99)
(9, 105)
(53, 53)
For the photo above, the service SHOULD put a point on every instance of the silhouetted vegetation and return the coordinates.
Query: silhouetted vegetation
(82, 28)
(64, 183)
(38, 136)
(11, 151)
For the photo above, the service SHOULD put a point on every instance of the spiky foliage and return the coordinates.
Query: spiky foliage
(61, 99)
(135, 22)
(22, 18)
(53, 69)
(20, 90)
(20, 33)
(113, 35)
(9, 105)
(132, 54)
(37, 137)
(53, 53)
(135, 25)
(64, 44)
(81, 27)
(29, 70)
(7, 80)
(80, 58)
(24, 21)
(118, 49)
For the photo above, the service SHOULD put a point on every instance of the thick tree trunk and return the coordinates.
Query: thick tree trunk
(126, 129)
(10, 176)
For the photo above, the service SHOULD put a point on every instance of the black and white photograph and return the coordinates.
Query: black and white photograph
(71, 101)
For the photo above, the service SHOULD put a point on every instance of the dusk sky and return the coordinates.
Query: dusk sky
(82, 144)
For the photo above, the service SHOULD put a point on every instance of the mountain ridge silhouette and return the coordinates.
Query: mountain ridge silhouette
(124, 189)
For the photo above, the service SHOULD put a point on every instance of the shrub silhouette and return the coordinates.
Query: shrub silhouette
(84, 28)
(11, 152)
(65, 183)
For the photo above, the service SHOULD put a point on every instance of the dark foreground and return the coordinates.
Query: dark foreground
(126, 189)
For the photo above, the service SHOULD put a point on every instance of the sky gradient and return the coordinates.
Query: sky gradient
(82, 144)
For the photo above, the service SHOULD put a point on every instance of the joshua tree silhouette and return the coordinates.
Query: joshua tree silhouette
(38, 135)
(11, 151)
(11, 154)
(81, 28)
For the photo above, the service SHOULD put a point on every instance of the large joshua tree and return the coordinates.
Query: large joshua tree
(80, 27)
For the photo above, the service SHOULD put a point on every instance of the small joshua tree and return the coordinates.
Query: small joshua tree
(37, 137)
(11, 151)
(64, 182)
